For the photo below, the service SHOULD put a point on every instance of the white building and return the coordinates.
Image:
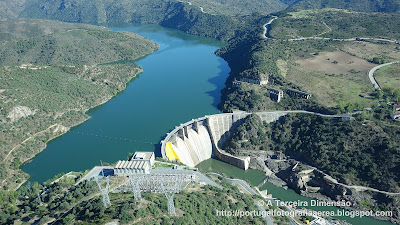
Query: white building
(126, 168)
(146, 156)
(140, 163)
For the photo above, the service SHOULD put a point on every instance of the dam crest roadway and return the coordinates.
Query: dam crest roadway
(202, 138)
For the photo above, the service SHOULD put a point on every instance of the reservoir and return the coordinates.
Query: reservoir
(181, 81)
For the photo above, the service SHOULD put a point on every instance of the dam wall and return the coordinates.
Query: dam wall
(202, 138)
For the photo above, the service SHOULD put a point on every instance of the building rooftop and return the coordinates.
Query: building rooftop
(131, 165)
(142, 155)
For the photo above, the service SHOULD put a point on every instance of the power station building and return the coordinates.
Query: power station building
(140, 163)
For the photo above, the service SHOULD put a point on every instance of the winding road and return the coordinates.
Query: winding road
(373, 70)
(267, 24)
(355, 187)
(322, 38)
(343, 39)
(29, 138)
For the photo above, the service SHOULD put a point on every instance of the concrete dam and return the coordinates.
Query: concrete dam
(202, 138)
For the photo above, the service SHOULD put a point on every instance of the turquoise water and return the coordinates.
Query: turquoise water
(181, 81)
(255, 177)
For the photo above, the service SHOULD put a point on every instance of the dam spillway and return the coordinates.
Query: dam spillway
(192, 146)
(202, 138)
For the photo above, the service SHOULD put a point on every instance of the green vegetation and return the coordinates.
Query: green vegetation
(335, 23)
(355, 152)
(63, 203)
(11, 8)
(239, 7)
(341, 79)
(389, 77)
(388, 6)
(55, 43)
(172, 14)
(51, 73)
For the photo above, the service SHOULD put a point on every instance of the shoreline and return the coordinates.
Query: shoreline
(29, 160)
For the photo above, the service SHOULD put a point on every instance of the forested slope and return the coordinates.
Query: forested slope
(51, 73)
(66, 203)
(172, 14)
(387, 6)
(352, 152)
(336, 23)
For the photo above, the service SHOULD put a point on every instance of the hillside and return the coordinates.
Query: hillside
(386, 6)
(66, 203)
(299, 43)
(238, 7)
(66, 45)
(336, 23)
(171, 14)
(51, 73)
(10, 9)
(353, 153)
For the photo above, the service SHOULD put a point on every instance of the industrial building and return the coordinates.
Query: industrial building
(275, 94)
(300, 94)
(254, 77)
(140, 163)
(144, 156)
(255, 81)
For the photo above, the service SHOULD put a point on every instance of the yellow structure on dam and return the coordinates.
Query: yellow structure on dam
(201, 138)
(170, 152)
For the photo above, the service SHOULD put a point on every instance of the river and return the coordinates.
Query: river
(255, 177)
(180, 81)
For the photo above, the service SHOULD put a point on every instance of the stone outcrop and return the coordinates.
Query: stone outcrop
(19, 112)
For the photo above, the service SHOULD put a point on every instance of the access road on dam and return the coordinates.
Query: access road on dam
(202, 138)
(203, 134)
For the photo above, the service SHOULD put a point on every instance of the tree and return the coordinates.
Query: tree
(396, 95)
(68, 219)
(388, 90)
(349, 107)
(379, 95)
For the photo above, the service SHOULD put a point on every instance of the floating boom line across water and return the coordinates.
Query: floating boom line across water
(114, 138)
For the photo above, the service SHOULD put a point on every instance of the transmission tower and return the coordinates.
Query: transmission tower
(170, 202)
(166, 183)
(40, 200)
(135, 182)
(104, 191)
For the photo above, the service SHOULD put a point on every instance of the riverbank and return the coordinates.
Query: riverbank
(52, 134)
(312, 183)
(274, 186)
(135, 119)
(45, 93)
